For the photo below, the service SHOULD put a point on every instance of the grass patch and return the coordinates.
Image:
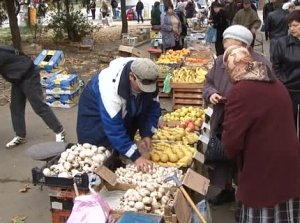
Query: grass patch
(27, 34)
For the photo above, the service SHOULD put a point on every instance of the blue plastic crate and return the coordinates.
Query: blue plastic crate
(49, 59)
(135, 217)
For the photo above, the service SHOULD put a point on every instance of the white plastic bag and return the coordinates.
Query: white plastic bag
(204, 209)
(90, 208)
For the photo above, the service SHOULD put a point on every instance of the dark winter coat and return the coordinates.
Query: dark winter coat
(220, 23)
(277, 24)
(14, 66)
(190, 10)
(286, 62)
(155, 16)
(183, 21)
(268, 7)
(139, 7)
(259, 133)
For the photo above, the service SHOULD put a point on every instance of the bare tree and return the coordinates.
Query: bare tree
(124, 17)
(13, 23)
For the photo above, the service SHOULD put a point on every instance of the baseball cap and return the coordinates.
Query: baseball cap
(146, 72)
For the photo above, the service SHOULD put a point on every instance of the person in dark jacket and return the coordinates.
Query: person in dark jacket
(155, 16)
(220, 23)
(277, 25)
(20, 71)
(286, 62)
(190, 9)
(216, 88)
(117, 102)
(184, 25)
(268, 7)
(93, 9)
(259, 134)
(230, 9)
(139, 9)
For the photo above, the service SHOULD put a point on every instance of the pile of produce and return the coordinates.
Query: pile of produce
(154, 177)
(147, 199)
(78, 159)
(163, 70)
(190, 117)
(176, 134)
(189, 75)
(191, 61)
(173, 56)
(174, 155)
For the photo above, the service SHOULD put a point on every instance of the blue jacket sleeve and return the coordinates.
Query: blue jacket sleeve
(116, 132)
(148, 128)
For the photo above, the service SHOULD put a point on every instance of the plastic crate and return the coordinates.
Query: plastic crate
(60, 216)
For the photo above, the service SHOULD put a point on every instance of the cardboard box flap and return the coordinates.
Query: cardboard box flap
(107, 175)
(182, 208)
(199, 157)
(196, 182)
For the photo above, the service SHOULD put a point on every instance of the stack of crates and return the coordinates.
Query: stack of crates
(62, 90)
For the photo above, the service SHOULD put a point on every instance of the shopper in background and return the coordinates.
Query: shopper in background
(20, 71)
(268, 7)
(286, 62)
(104, 9)
(247, 17)
(117, 102)
(170, 29)
(184, 25)
(230, 9)
(215, 92)
(139, 9)
(93, 9)
(261, 138)
(277, 24)
(190, 9)
(155, 16)
(220, 23)
(289, 6)
(114, 6)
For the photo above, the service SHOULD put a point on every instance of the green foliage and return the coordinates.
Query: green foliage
(73, 25)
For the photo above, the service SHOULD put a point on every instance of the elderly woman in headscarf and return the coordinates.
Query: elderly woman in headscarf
(259, 133)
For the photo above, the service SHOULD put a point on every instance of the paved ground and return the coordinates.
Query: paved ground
(15, 168)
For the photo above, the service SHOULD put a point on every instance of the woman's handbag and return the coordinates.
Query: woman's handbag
(214, 152)
(211, 35)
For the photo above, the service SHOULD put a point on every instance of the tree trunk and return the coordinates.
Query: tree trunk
(124, 17)
(13, 24)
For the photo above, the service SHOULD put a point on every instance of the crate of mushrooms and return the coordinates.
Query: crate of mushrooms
(72, 165)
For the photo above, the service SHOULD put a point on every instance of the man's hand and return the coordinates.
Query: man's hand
(144, 145)
(143, 164)
(214, 98)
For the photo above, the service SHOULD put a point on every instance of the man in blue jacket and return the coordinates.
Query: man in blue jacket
(117, 102)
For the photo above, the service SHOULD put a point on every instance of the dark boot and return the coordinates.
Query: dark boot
(225, 196)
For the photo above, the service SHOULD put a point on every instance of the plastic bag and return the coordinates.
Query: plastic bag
(211, 35)
(204, 209)
(167, 84)
(90, 208)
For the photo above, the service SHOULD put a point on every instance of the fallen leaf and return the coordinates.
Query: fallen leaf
(18, 219)
(25, 189)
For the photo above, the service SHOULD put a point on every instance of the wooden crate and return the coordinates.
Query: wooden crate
(160, 89)
(60, 216)
(187, 95)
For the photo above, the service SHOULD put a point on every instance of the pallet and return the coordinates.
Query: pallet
(160, 89)
(60, 216)
(187, 95)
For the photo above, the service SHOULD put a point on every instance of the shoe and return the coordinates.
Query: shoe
(15, 142)
(61, 137)
(225, 196)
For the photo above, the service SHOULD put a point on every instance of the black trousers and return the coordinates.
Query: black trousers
(139, 15)
(30, 89)
(93, 13)
(295, 96)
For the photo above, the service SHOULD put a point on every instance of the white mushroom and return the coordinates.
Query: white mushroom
(86, 145)
(139, 205)
(47, 172)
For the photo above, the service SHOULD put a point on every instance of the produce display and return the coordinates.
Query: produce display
(176, 134)
(154, 178)
(78, 159)
(172, 56)
(191, 61)
(147, 199)
(172, 155)
(190, 117)
(163, 70)
(189, 75)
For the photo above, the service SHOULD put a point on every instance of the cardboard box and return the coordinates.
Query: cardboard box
(49, 59)
(128, 51)
(191, 180)
(62, 83)
(64, 98)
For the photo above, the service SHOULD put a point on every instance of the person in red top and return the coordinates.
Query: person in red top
(259, 133)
